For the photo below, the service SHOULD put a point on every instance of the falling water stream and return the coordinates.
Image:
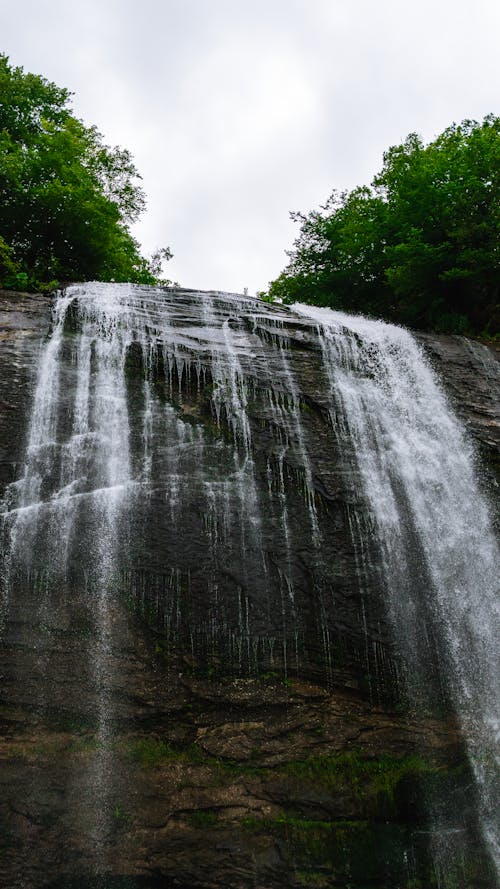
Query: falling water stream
(440, 557)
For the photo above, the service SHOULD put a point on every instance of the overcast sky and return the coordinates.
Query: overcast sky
(237, 111)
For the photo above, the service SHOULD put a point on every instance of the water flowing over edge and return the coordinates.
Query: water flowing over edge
(417, 467)
(415, 463)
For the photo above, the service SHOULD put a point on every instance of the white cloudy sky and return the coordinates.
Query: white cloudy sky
(237, 111)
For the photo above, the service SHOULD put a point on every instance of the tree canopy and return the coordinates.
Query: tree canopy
(420, 246)
(66, 198)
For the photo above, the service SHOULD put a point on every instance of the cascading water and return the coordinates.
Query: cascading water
(116, 428)
(440, 558)
(77, 475)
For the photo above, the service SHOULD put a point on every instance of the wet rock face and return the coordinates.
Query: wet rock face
(24, 324)
(242, 783)
(236, 534)
(227, 716)
(232, 523)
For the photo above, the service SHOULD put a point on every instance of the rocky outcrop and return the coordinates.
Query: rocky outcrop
(257, 735)
(235, 783)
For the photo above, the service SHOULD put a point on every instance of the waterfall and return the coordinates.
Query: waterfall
(259, 496)
(439, 554)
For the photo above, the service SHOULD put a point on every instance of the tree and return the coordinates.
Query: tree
(445, 202)
(66, 198)
(420, 246)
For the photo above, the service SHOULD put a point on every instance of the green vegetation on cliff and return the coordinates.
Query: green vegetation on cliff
(419, 247)
(66, 198)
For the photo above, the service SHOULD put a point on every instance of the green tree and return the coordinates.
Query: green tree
(445, 202)
(420, 246)
(338, 258)
(66, 198)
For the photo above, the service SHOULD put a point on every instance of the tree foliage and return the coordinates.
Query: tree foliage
(66, 198)
(420, 246)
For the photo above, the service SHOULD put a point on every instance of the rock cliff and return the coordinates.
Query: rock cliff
(259, 733)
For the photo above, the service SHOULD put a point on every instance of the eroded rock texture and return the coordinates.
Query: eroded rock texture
(233, 713)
